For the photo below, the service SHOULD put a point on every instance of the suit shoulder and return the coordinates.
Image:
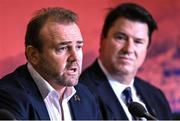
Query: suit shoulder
(83, 90)
(149, 87)
(145, 83)
(87, 73)
(11, 84)
(90, 71)
(14, 79)
(16, 73)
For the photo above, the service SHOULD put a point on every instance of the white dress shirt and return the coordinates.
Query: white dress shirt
(118, 88)
(52, 98)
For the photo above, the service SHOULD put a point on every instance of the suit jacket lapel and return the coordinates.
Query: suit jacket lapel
(111, 101)
(75, 103)
(40, 108)
(105, 89)
(34, 94)
(144, 95)
(80, 107)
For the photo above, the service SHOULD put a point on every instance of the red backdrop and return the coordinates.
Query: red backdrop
(162, 67)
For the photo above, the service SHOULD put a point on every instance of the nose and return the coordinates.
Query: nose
(128, 46)
(72, 55)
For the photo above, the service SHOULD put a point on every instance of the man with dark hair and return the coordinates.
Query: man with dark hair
(46, 87)
(125, 38)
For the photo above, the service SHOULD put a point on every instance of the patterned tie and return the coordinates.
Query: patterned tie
(128, 98)
(127, 95)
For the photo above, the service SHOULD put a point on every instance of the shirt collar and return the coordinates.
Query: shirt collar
(114, 83)
(45, 88)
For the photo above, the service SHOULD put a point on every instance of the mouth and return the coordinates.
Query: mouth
(125, 59)
(72, 71)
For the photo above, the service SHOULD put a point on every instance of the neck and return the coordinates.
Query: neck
(124, 79)
(59, 88)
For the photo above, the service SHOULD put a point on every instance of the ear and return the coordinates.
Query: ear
(101, 44)
(32, 54)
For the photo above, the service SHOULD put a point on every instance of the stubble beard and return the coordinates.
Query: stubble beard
(63, 80)
(52, 75)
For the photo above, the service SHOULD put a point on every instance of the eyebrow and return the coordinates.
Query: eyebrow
(69, 42)
(80, 42)
(120, 33)
(124, 34)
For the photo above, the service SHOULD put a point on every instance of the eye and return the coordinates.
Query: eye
(62, 49)
(139, 41)
(121, 38)
(79, 47)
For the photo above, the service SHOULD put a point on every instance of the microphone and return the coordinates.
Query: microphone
(6, 115)
(138, 110)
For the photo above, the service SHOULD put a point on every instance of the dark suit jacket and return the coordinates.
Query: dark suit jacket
(20, 96)
(111, 108)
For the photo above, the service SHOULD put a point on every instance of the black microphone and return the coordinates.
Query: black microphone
(6, 115)
(136, 109)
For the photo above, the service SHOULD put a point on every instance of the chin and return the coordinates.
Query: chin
(72, 82)
(124, 71)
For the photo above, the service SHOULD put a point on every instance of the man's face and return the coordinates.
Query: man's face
(61, 59)
(124, 49)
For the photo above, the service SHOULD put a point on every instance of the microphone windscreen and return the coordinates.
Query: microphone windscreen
(6, 115)
(136, 109)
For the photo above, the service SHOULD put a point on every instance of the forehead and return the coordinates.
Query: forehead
(133, 28)
(53, 31)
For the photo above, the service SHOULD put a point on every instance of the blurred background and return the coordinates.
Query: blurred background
(161, 68)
